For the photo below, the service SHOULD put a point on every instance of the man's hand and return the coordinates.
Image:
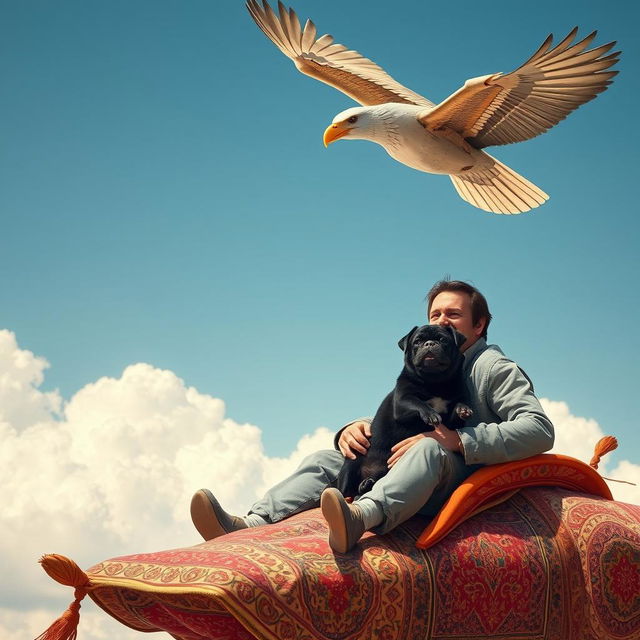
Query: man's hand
(449, 439)
(355, 439)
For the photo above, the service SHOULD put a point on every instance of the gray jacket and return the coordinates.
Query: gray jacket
(508, 422)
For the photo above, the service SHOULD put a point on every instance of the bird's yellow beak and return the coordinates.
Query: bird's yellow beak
(334, 132)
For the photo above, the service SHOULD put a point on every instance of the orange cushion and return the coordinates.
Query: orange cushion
(498, 482)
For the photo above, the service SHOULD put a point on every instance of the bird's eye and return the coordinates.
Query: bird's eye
(352, 119)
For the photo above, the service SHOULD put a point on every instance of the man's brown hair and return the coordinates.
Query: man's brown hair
(479, 306)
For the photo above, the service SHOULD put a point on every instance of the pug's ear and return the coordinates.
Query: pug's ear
(403, 342)
(458, 338)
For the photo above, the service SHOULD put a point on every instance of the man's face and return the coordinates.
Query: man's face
(454, 308)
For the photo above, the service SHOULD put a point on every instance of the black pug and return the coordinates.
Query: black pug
(430, 390)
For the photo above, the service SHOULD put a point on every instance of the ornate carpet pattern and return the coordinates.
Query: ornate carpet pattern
(548, 564)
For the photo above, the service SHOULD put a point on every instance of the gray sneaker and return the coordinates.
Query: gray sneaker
(346, 524)
(210, 519)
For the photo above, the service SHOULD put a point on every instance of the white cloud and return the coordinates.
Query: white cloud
(21, 404)
(94, 624)
(628, 472)
(111, 472)
(577, 437)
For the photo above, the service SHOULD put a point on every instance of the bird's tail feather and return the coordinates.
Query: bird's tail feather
(498, 189)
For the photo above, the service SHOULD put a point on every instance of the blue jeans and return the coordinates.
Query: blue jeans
(420, 482)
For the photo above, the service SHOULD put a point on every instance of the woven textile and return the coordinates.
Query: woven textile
(496, 483)
(547, 564)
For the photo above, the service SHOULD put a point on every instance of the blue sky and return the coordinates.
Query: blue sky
(166, 198)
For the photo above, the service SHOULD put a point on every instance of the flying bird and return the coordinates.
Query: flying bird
(449, 137)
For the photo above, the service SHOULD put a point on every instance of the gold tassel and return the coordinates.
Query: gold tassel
(67, 572)
(603, 446)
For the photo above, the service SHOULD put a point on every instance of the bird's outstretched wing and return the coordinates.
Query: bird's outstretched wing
(499, 109)
(334, 64)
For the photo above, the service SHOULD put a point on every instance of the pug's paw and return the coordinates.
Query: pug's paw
(432, 419)
(365, 486)
(463, 411)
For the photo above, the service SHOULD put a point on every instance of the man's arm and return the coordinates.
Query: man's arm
(523, 430)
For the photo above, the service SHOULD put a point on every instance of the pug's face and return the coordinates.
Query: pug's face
(432, 350)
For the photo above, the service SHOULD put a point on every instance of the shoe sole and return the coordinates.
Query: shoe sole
(204, 517)
(334, 509)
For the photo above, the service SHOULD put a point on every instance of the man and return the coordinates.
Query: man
(508, 424)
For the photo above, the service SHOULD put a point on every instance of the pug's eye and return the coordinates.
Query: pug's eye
(352, 119)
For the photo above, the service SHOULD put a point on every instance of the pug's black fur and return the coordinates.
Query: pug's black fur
(429, 391)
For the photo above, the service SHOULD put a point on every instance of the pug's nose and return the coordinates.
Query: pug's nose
(430, 344)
